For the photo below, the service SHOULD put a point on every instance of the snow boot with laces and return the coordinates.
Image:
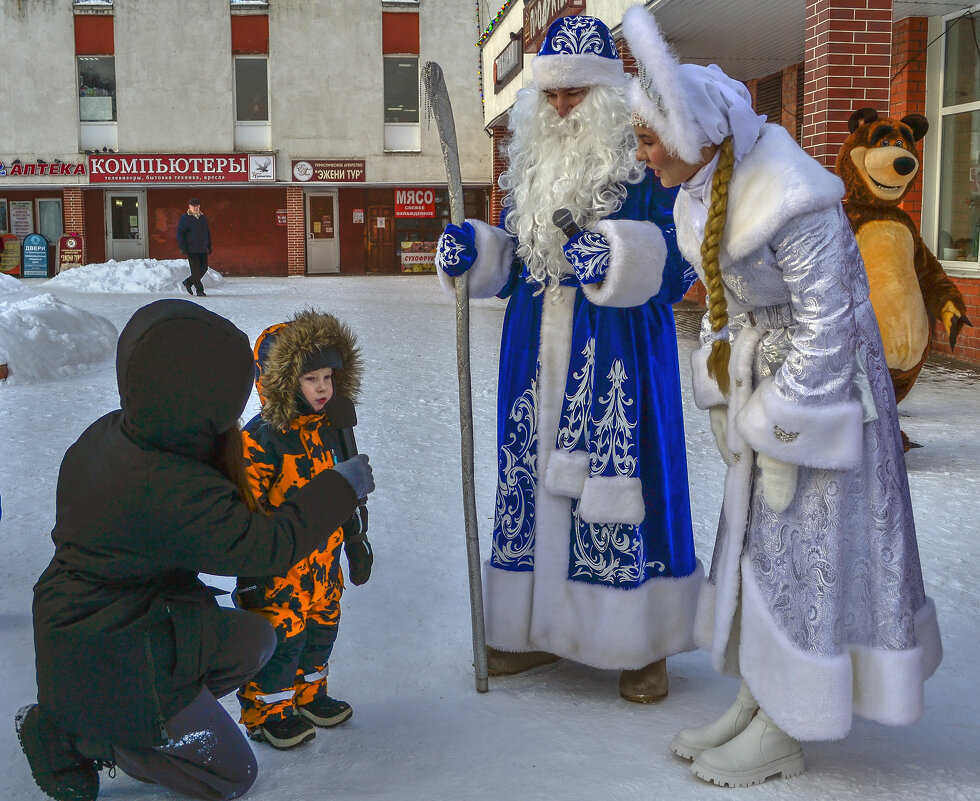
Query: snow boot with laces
(689, 743)
(59, 770)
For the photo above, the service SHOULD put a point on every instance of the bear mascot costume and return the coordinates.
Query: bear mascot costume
(909, 288)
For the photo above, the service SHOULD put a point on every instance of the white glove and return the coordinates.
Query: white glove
(778, 482)
(718, 416)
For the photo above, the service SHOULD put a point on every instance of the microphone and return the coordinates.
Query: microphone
(563, 219)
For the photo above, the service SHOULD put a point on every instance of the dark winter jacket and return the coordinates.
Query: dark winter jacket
(193, 234)
(124, 629)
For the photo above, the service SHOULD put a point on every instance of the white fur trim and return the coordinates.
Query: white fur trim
(669, 114)
(829, 436)
(567, 472)
(707, 393)
(491, 271)
(637, 255)
(571, 71)
(807, 696)
(612, 499)
(813, 697)
(775, 182)
(608, 628)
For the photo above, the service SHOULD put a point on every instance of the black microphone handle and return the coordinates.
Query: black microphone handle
(563, 219)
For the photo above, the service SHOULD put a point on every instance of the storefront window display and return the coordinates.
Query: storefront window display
(417, 236)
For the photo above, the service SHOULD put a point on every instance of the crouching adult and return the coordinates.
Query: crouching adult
(132, 649)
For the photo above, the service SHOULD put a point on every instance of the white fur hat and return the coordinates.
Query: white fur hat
(687, 105)
(577, 51)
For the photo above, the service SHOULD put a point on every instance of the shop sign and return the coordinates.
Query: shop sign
(35, 256)
(69, 252)
(539, 14)
(41, 168)
(261, 167)
(329, 170)
(281, 217)
(21, 218)
(169, 168)
(418, 257)
(358, 216)
(509, 61)
(10, 255)
(415, 203)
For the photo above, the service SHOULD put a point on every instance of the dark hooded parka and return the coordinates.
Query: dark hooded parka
(124, 629)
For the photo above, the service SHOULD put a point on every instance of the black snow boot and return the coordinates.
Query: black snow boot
(59, 770)
(285, 732)
(326, 712)
(187, 285)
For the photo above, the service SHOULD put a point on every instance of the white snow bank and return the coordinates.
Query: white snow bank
(43, 339)
(133, 275)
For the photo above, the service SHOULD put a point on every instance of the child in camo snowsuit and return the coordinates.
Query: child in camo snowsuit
(308, 375)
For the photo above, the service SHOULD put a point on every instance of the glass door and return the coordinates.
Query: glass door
(322, 250)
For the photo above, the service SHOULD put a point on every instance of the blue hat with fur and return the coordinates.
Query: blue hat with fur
(577, 51)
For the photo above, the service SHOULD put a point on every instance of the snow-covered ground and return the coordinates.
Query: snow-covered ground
(420, 732)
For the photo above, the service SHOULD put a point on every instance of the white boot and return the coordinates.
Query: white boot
(690, 742)
(760, 751)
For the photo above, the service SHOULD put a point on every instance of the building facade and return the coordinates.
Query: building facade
(808, 65)
(300, 125)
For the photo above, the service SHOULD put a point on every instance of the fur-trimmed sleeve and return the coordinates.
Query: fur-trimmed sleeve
(637, 255)
(491, 270)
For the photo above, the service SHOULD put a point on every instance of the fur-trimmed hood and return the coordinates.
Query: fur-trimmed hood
(280, 352)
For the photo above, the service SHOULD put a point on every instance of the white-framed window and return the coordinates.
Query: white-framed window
(96, 88)
(401, 99)
(252, 126)
(954, 114)
(50, 220)
(97, 112)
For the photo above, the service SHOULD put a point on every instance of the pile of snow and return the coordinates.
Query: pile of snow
(133, 275)
(44, 339)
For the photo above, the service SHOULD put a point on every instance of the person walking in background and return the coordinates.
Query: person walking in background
(308, 378)
(194, 241)
(815, 594)
(132, 648)
(592, 557)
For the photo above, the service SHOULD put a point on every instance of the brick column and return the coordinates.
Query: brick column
(847, 66)
(908, 90)
(295, 231)
(73, 212)
(501, 137)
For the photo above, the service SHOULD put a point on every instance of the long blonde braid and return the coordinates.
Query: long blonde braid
(711, 246)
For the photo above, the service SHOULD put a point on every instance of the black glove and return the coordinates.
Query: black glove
(358, 473)
(249, 593)
(360, 556)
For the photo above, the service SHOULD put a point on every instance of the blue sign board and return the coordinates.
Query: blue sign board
(35, 264)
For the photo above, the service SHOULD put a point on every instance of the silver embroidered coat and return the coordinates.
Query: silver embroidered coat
(820, 608)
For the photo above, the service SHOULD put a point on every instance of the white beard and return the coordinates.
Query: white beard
(581, 163)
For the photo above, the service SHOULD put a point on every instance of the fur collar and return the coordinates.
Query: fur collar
(280, 352)
(775, 182)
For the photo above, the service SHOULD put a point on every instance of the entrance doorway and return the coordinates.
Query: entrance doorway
(379, 238)
(125, 214)
(322, 251)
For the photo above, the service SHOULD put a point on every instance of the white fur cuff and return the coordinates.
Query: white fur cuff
(706, 390)
(637, 255)
(566, 472)
(828, 437)
(570, 71)
(490, 272)
(612, 499)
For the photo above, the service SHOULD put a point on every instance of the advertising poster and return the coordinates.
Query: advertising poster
(21, 218)
(35, 264)
(69, 252)
(418, 257)
(10, 255)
